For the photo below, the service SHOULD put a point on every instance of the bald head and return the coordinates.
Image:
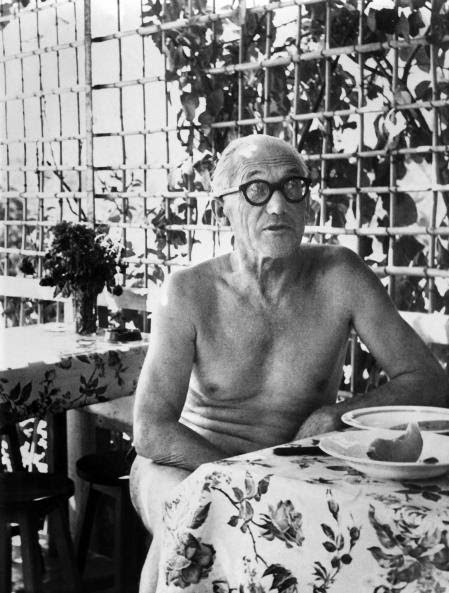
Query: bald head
(244, 152)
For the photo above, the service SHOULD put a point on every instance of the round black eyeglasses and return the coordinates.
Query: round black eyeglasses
(258, 192)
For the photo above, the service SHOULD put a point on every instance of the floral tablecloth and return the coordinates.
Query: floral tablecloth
(259, 523)
(44, 369)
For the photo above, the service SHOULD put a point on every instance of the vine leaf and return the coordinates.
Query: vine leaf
(190, 103)
(415, 22)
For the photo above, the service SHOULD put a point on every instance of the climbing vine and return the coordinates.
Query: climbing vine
(209, 93)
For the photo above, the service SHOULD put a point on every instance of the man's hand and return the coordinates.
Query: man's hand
(325, 419)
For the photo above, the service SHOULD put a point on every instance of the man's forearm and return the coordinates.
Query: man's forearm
(407, 389)
(173, 443)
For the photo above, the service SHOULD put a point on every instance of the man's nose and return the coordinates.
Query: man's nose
(277, 203)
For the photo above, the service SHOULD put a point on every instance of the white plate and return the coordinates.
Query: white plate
(351, 446)
(397, 418)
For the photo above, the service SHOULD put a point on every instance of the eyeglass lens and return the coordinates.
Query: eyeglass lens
(260, 191)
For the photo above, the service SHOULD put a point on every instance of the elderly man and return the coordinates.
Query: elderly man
(247, 349)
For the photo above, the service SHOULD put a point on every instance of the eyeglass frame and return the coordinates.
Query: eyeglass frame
(272, 188)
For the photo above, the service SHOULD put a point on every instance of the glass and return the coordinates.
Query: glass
(259, 191)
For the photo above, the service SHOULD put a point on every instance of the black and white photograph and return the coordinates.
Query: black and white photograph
(224, 296)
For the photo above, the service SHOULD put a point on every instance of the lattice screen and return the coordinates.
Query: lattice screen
(113, 112)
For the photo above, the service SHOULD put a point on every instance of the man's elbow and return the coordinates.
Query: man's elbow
(145, 439)
(141, 447)
(153, 441)
(442, 391)
(435, 386)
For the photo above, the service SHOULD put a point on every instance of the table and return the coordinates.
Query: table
(259, 522)
(47, 369)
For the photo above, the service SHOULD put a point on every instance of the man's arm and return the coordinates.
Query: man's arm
(415, 377)
(163, 384)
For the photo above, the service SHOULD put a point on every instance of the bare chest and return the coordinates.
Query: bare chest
(294, 349)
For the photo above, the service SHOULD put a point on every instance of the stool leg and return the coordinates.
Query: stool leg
(127, 553)
(31, 557)
(84, 527)
(65, 548)
(5, 556)
(15, 457)
(120, 545)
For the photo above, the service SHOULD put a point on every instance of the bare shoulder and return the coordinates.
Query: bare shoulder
(345, 277)
(335, 261)
(186, 288)
(351, 273)
(194, 276)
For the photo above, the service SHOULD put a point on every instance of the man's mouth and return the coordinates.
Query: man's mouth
(277, 227)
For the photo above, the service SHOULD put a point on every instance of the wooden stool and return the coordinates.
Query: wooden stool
(24, 499)
(107, 475)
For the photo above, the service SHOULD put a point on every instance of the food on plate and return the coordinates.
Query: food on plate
(405, 448)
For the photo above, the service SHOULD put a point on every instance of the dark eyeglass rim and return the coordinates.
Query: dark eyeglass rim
(273, 187)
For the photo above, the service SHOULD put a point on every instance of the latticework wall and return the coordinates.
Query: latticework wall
(114, 111)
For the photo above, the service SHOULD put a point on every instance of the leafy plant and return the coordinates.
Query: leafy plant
(200, 70)
(81, 257)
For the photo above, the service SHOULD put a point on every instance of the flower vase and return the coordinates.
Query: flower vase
(85, 311)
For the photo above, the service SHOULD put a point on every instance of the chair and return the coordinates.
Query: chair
(25, 499)
(107, 477)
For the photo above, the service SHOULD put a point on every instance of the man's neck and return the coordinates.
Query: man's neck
(271, 276)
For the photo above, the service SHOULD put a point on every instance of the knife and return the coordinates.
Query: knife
(298, 450)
